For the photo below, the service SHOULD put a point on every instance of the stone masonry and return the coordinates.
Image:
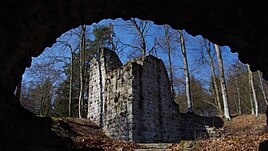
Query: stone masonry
(132, 101)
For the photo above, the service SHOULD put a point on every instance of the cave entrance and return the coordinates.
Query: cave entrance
(46, 85)
(41, 92)
(36, 25)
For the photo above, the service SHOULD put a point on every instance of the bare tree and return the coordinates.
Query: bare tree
(223, 83)
(168, 44)
(44, 78)
(251, 100)
(82, 69)
(251, 81)
(213, 73)
(238, 97)
(72, 52)
(141, 30)
(186, 72)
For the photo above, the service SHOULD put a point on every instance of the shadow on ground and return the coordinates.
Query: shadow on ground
(195, 127)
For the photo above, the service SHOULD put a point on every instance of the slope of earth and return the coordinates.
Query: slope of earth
(87, 135)
(241, 133)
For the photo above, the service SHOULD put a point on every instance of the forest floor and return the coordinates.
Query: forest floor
(241, 133)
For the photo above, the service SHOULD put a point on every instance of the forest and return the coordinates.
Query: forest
(206, 79)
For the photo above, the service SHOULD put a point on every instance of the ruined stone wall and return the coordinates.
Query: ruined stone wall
(112, 108)
(194, 127)
(133, 102)
(136, 102)
(155, 114)
(100, 66)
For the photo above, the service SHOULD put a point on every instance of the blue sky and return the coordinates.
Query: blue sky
(126, 36)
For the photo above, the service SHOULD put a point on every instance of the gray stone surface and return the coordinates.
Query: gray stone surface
(135, 103)
(135, 100)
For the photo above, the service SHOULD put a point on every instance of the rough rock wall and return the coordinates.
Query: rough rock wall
(136, 102)
(107, 61)
(111, 109)
(155, 114)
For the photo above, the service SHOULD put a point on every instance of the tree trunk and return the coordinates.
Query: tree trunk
(262, 88)
(169, 59)
(41, 105)
(140, 31)
(101, 87)
(82, 64)
(217, 94)
(186, 72)
(251, 81)
(71, 85)
(48, 105)
(111, 37)
(238, 98)
(223, 83)
(251, 100)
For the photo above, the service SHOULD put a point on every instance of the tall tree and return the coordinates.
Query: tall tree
(214, 80)
(251, 99)
(168, 44)
(71, 84)
(235, 84)
(104, 36)
(238, 89)
(201, 98)
(186, 72)
(82, 69)
(71, 79)
(41, 85)
(223, 83)
(251, 81)
(141, 30)
(250, 93)
(238, 97)
(62, 98)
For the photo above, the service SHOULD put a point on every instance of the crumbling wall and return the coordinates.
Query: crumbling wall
(155, 114)
(195, 127)
(118, 104)
(110, 90)
(135, 102)
(104, 62)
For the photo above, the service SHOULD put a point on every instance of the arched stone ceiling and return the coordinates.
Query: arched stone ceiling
(28, 26)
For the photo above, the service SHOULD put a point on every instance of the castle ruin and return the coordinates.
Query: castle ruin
(133, 102)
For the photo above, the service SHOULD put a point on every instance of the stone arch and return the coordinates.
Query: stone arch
(28, 26)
